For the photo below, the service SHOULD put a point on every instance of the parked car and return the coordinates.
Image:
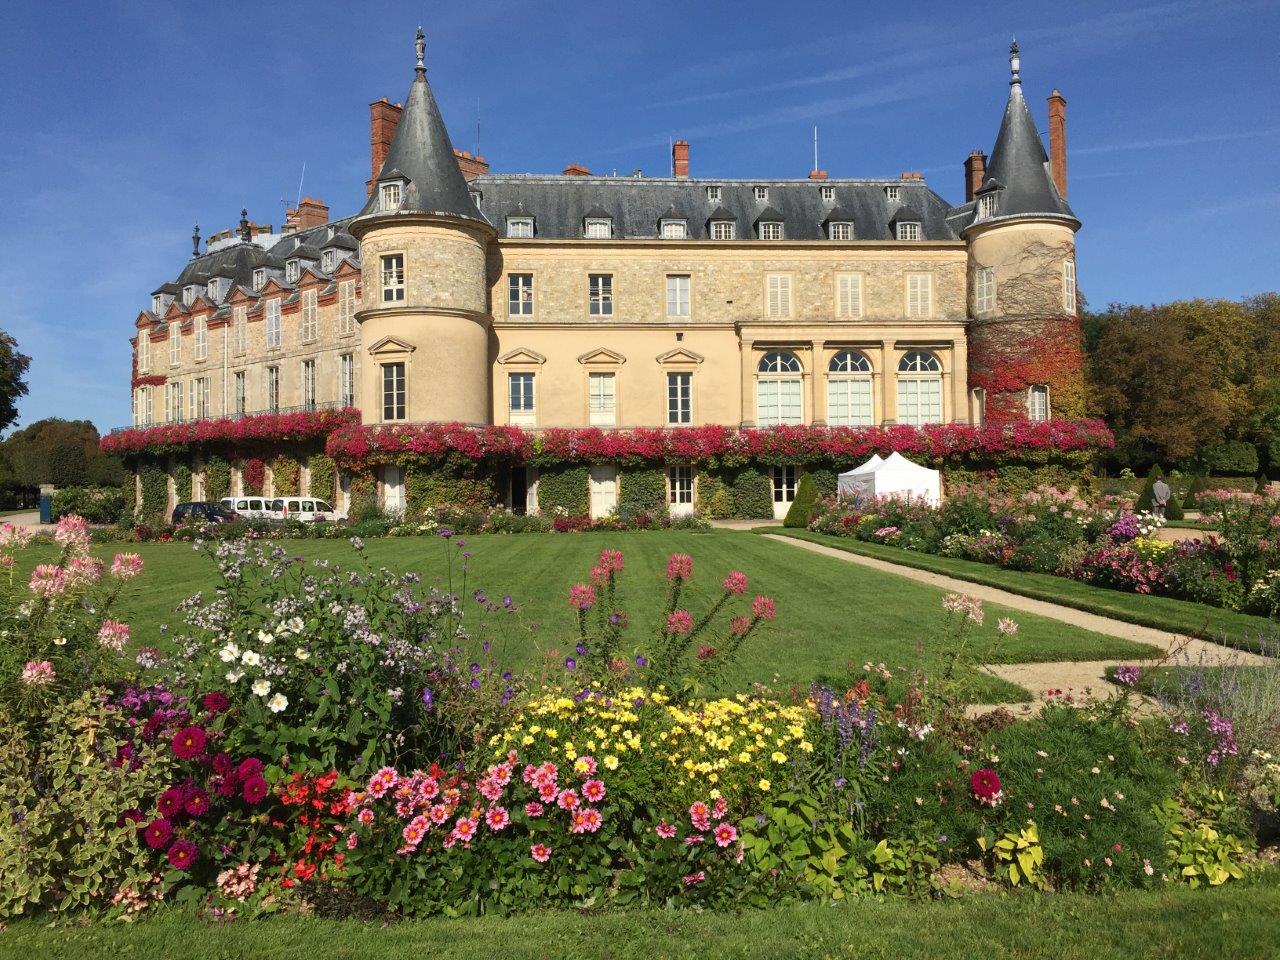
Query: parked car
(251, 508)
(202, 512)
(306, 509)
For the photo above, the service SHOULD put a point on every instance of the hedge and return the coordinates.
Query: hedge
(95, 504)
(564, 489)
(217, 478)
(752, 495)
(644, 491)
(154, 493)
(803, 505)
(322, 477)
(453, 482)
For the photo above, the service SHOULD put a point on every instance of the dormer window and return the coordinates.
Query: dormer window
(674, 230)
(761, 193)
(389, 195)
(770, 230)
(477, 197)
(986, 206)
(908, 230)
(157, 302)
(520, 227)
(328, 234)
(713, 194)
(723, 229)
(326, 261)
(840, 230)
(259, 278)
(214, 289)
(828, 193)
(598, 228)
(893, 194)
(292, 268)
(189, 295)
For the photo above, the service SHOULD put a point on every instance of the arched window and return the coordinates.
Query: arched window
(779, 389)
(919, 388)
(849, 402)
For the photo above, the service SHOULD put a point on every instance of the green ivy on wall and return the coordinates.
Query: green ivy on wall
(154, 492)
(217, 478)
(454, 482)
(362, 489)
(182, 481)
(564, 489)
(752, 495)
(322, 473)
(644, 491)
(285, 474)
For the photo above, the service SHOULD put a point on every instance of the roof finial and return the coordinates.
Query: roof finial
(195, 240)
(420, 44)
(1015, 63)
(246, 234)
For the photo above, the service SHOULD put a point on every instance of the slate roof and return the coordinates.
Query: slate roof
(559, 204)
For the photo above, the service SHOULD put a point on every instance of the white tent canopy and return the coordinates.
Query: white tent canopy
(894, 476)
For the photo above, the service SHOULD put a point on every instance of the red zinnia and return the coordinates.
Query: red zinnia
(188, 743)
(254, 789)
(222, 763)
(215, 702)
(197, 803)
(171, 801)
(182, 854)
(985, 784)
(157, 833)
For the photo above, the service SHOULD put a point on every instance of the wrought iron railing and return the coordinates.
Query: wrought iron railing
(301, 408)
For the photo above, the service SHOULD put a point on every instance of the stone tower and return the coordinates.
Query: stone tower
(1024, 336)
(424, 317)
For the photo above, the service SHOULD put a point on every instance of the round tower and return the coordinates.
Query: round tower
(1025, 357)
(424, 317)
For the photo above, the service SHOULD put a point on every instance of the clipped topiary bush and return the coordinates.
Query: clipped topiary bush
(826, 481)
(95, 504)
(1230, 457)
(1146, 503)
(803, 505)
(564, 489)
(644, 491)
(752, 496)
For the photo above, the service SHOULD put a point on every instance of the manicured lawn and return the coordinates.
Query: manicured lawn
(1231, 923)
(830, 613)
(1161, 613)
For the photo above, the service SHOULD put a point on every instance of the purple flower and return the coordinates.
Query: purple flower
(475, 668)
(642, 660)
(582, 649)
(1128, 674)
(428, 698)
(507, 602)
(570, 663)
(357, 543)
(475, 684)
(445, 532)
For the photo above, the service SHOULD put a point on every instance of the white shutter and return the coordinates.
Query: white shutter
(603, 411)
(918, 295)
(849, 295)
(779, 298)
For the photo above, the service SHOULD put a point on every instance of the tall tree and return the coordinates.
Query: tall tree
(13, 383)
(64, 453)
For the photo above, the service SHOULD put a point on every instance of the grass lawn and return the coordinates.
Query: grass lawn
(1232, 923)
(1161, 613)
(829, 612)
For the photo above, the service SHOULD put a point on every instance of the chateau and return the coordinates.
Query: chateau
(456, 295)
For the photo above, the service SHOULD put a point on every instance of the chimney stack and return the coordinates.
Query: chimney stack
(310, 213)
(975, 171)
(472, 165)
(680, 158)
(1058, 140)
(911, 175)
(817, 174)
(576, 170)
(383, 119)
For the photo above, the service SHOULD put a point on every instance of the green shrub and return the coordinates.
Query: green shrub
(826, 481)
(182, 477)
(362, 493)
(454, 482)
(217, 478)
(323, 474)
(715, 498)
(154, 497)
(1232, 457)
(644, 492)
(803, 505)
(752, 496)
(1199, 484)
(285, 474)
(95, 504)
(564, 489)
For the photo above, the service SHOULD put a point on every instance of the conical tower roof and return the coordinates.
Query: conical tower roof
(422, 154)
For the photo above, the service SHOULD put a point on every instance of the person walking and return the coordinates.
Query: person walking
(1160, 495)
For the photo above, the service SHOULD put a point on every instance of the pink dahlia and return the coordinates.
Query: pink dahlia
(986, 787)
(540, 852)
(725, 834)
(189, 743)
(182, 854)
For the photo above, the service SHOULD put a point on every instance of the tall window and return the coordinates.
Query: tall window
(173, 402)
(144, 351)
(779, 390)
(680, 484)
(310, 320)
(598, 228)
(679, 398)
(520, 294)
(347, 379)
(273, 388)
(979, 398)
(848, 294)
(274, 334)
(770, 230)
(520, 399)
(326, 261)
(201, 344)
(919, 389)
(984, 289)
(722, 229)
(520, 227)
(309, 384)
(1069, 285)
(784, 484)
(908, 231)
(678, 295)
(849, 401)
(148, 405)
(600, 294)
(259, 278)
(240, 329)
(919, 294)
(674, 230)
(241, 394)
(393, 391)
(1038, 402)
(389, 196)
(601, 400)
(292, 270)
(175, 344)
(778, 295)
(199, 398)
(346, 308)
(393, 278)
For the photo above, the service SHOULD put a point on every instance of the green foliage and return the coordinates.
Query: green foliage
(323, 474)
(752, 496)
(1199, 484)
(715, 497)
(154, 493)
(1144, 502)
(63, 846)
(285, 474)
(217, 477)
(454, 481)
(1230, 457)
(182, 477)
(644, 492)
(362, 490)
(564, 489)
(1199, 853)
(62, 452)
(803, 505)
(825, 480)
(1018, 856)
(95, 504)
(13, 383)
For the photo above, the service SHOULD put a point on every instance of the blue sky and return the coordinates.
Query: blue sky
(126, 122)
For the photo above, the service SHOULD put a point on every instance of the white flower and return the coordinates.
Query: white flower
(296, 625)
(229, 653)
(60, 641)
(250, 658)
(264, 637)
(261, 687)
(302, 654)
(277, 703)
(234, 675)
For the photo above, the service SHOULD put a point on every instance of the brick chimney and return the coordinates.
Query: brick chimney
(817, 174)
(911, 175)
(383, 119)
(471, 165)
(576, 170)
(1058, 140)
(975, 171)
(680, 158)
(310, 213)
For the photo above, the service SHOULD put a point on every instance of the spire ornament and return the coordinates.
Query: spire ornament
(420, 45)
(245, 233)
(195, 240)
(1015, 64)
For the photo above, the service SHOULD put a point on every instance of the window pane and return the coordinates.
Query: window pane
(678, 296)
(679, 398)
(393, 391)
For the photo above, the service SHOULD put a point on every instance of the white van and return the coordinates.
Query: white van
(251, 508)
(306, 509)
